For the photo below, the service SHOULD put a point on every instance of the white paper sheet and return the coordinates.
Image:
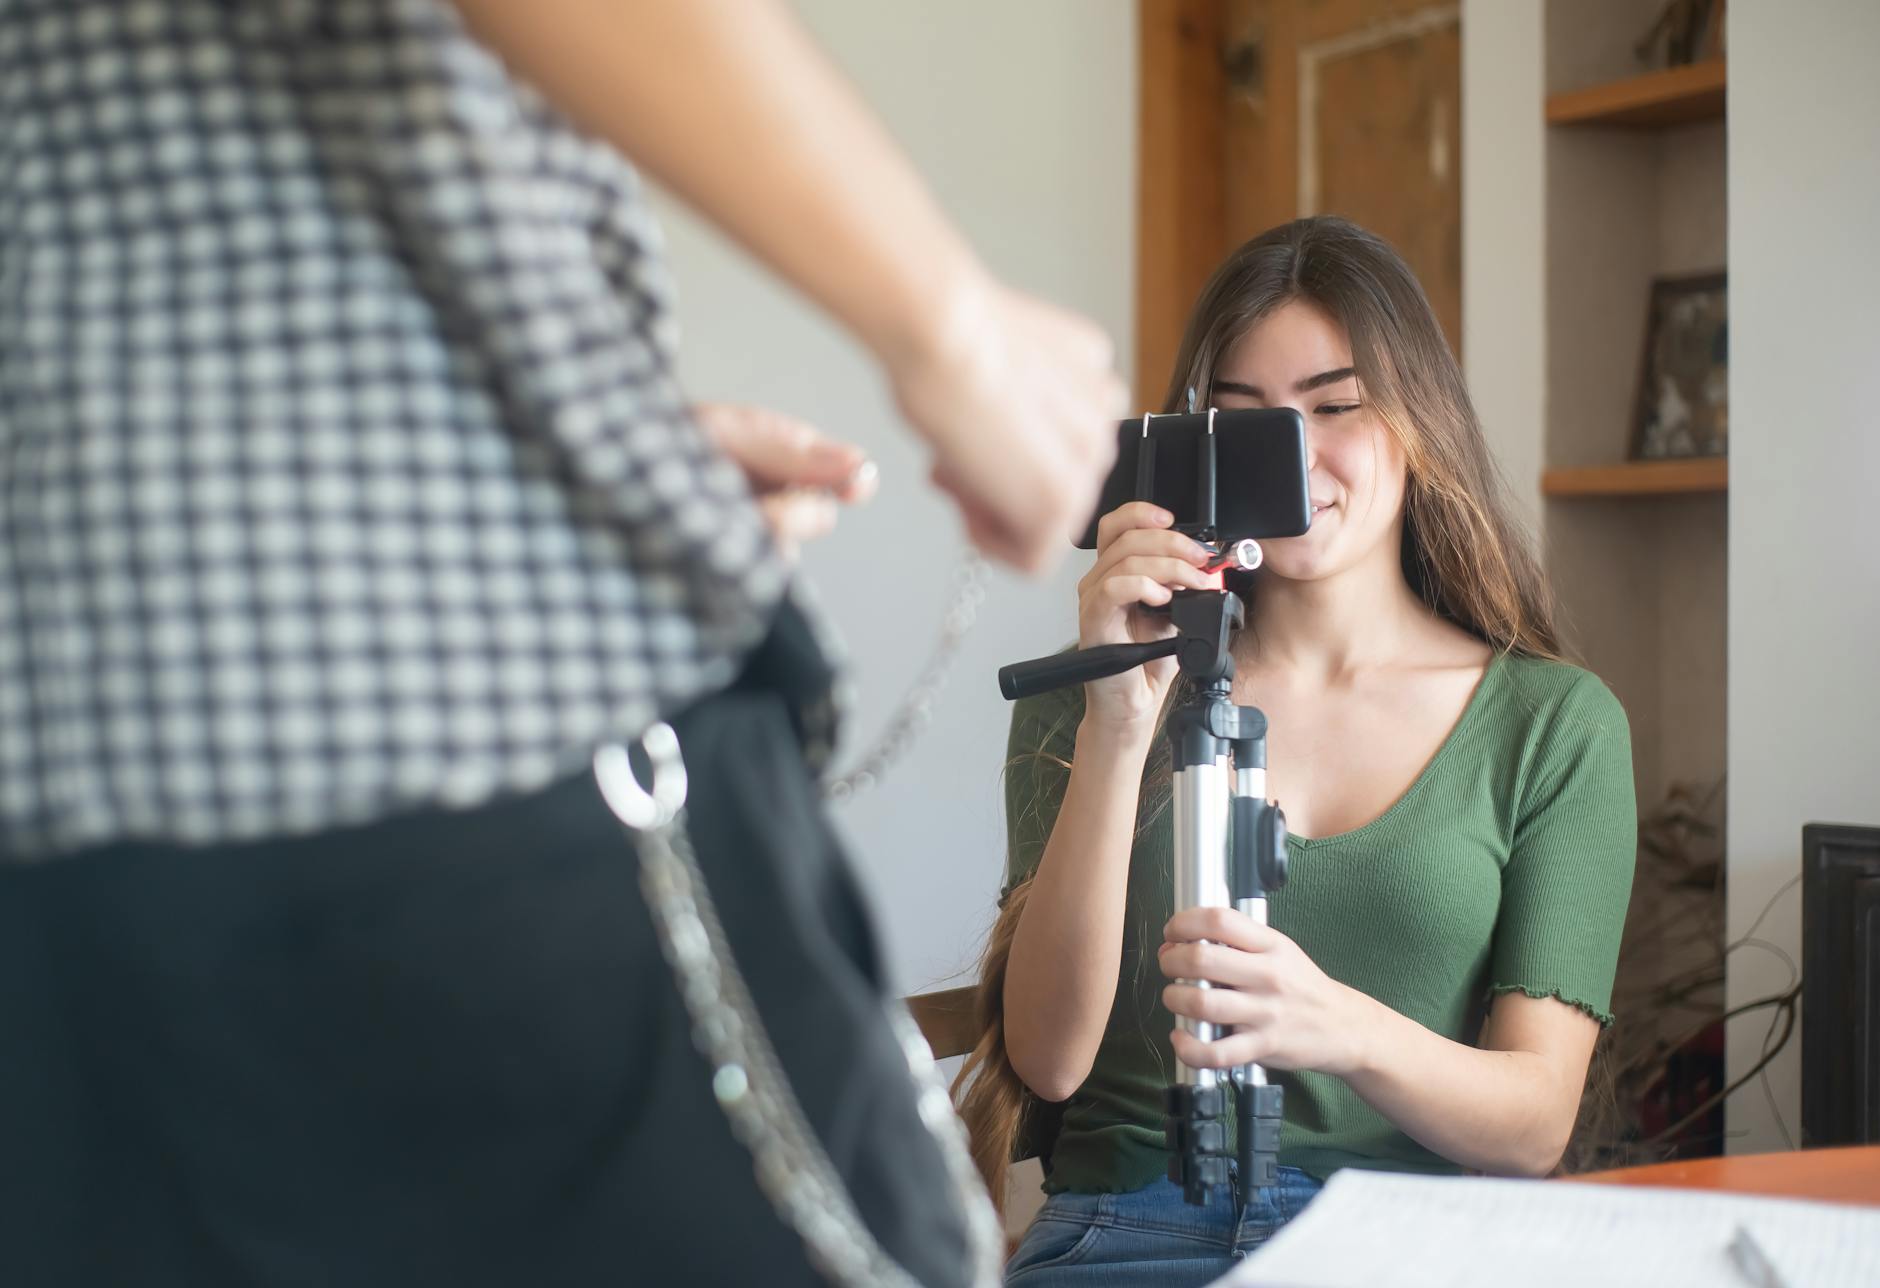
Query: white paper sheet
(1383, 1230)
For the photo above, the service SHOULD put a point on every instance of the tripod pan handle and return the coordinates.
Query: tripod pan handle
(1060, 670)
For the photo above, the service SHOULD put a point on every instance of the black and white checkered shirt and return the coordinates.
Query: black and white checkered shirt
(342, 469)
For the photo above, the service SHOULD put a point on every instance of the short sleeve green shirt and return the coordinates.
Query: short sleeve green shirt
(1506, 865)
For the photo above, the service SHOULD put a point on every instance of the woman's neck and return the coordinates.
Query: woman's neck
(1364, 617)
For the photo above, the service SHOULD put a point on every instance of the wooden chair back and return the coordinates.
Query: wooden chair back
(946, 1020)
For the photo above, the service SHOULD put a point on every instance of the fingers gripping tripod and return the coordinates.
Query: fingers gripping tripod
(1230, 851)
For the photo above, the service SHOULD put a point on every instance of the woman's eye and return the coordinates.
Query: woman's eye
(1338, 409)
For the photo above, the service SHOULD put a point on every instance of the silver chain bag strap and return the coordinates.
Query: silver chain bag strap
(792, 1169)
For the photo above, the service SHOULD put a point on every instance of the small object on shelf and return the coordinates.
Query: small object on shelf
(1683, 403)
(1715, 45)
(1683, 33)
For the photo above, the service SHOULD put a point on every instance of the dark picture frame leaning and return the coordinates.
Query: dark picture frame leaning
(1682, 405)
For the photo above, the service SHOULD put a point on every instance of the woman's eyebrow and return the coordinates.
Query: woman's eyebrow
(1324, 378)
(1305, 386)
(1236, 387)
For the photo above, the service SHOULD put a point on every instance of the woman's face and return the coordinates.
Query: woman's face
(1298, 357)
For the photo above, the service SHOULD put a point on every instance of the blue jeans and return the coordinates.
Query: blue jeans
(1149, 1236)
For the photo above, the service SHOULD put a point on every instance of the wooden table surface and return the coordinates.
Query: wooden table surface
(1843, 1175)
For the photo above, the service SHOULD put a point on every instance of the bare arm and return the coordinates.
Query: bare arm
(1505, 1107)
(729, 104)
(1060, 982)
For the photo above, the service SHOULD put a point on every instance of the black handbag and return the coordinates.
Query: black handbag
(817, 1070)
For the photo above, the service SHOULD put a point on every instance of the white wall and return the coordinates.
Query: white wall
(1023, 119)
(1804, 472)
(1504, 256)
(1803, 634)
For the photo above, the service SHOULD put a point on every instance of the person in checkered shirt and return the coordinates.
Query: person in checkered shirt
(347, 503)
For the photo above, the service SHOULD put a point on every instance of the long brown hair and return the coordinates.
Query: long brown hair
(1463, 553)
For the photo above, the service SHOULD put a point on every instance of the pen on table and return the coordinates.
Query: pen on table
(1753, 1262)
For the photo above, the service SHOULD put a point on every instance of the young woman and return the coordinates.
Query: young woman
(1460, 799)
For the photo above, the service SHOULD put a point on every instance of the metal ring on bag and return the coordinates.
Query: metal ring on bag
(631, 803)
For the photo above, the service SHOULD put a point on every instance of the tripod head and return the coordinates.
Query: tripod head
(1205, 622)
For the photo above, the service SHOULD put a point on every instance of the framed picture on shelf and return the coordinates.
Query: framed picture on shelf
(1683, 406)
(1684, 32)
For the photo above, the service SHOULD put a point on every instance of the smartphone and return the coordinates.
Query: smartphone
(1224, 475)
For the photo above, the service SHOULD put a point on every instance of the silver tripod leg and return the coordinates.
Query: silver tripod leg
(1201, 1101)
(1259, 844)
(1251, 783)
(1201, 816)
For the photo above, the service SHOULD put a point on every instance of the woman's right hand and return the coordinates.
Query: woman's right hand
(1139, 562)
(1019, 401)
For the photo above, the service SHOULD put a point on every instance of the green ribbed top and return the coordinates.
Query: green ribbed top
(1506, 865)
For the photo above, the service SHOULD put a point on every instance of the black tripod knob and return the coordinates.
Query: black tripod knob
(1271, 842)
(1259, 848)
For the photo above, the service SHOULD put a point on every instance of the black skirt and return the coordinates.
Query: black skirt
(444, 1049)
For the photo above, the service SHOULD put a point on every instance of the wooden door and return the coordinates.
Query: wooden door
(1254, 112)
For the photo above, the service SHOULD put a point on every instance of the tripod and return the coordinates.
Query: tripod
(1230, 851)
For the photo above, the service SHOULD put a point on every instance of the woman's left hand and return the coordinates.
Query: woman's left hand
(1288, 1013)
(799, 475)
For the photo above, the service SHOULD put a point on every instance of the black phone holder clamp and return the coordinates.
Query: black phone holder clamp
(1207, 473)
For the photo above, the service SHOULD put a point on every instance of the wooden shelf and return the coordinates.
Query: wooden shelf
(1639, 478)
(1675, 96)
